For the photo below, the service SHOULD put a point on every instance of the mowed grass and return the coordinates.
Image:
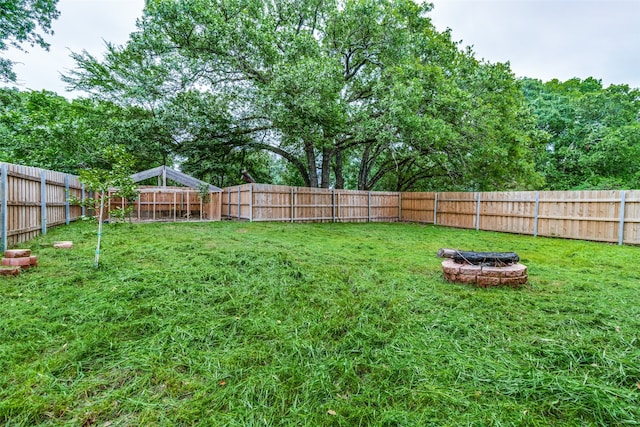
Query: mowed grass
(254, 324)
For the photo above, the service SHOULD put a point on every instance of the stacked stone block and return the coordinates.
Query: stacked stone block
(485, 276)
(15, 260)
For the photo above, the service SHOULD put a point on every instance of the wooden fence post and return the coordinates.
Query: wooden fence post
(536, 214)
(333, 205)
(399, 207)
(369, 206)
(250, 202)
(478, 213)
(435, 210)
(239, 205)
(623, 199)
(229, 203)
(188, 205)
(3, 206)
(67, 208)
(82, 197)
(292, 200)
(43, 201)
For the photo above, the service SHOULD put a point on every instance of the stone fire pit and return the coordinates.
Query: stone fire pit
(483, 269)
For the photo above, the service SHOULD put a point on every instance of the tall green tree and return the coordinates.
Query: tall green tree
(594, 133)
(363, 93)
(24, 21)
(46, 130)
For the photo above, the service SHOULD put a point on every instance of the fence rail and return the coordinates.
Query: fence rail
(33, 199)
(263, 202)
(606, 216)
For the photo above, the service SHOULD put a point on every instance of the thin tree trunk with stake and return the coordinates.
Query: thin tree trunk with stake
(97, 259)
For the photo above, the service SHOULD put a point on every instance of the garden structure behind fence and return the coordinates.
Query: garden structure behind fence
(172, 204)
(32, 200)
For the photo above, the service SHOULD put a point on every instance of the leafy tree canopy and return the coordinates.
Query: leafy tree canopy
(46, 130)
(594, 133)
(361, 93)
(23, 21)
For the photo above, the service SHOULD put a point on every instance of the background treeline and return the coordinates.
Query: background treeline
(356, 94)
(592, 132)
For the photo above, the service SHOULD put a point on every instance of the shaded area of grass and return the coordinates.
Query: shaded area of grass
(317, 324)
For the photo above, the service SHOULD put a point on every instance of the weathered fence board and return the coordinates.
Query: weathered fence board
(457, 209)
(32, 200)
(512, 212)
(263, 202)
(583, 215)
(419, 207)
(586, 215)
(631, 224)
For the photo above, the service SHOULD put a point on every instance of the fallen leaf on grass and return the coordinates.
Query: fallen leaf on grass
(222, 383)
(332, 412)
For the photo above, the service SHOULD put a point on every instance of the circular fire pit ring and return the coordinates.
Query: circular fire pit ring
(483, 269)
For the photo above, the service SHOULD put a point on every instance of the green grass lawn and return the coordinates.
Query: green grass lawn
(316, 325)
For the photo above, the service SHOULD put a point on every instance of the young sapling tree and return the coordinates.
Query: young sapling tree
(116, 177)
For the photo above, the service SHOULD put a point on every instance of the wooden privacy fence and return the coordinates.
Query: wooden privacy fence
(606, 216)
(262, 202)
(169, 204)
(33, 199)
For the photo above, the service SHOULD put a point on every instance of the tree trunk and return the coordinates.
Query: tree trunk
(339, 173)
(364, 169)
(293, 159)
(326, 167)
(311, 164)
(96, 260)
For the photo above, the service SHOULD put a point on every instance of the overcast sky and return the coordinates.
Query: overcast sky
(548, 39)
(543, 39)
(82, 25)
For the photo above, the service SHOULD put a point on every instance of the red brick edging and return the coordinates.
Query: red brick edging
(15, 260)
(485, 276)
